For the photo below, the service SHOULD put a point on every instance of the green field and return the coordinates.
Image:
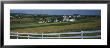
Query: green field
(82, 24)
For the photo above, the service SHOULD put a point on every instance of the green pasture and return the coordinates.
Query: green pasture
(82, 24)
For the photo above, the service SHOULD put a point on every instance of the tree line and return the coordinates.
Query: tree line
(42, 18)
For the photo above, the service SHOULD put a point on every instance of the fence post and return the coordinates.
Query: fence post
(17, 35)
(28, 36)
(59, 35)
(82, 34)
(42, 35)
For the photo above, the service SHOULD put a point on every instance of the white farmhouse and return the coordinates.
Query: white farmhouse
(40, 22)
(68, 18)
(72, 20)
(65, 18)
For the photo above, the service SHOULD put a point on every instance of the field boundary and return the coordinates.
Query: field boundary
(55, 35)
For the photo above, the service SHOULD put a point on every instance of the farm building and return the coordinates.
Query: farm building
(70, 18)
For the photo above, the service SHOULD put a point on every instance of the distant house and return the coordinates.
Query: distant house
(68, 19)
(65, 18)
(72, 20)
(40, 22)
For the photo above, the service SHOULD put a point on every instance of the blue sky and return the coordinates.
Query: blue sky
(57, 12)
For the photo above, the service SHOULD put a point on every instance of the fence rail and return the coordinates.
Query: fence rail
(16, 35)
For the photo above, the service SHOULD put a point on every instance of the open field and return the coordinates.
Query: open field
(84, 24)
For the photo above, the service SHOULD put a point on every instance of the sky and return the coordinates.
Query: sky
(56, 12)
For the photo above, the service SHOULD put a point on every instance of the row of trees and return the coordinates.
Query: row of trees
(19, 18)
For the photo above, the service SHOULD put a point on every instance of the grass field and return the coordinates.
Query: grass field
(84, 24)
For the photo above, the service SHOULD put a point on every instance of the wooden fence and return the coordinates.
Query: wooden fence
(64, 35)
